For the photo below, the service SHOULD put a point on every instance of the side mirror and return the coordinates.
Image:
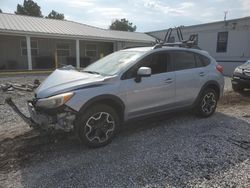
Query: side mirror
(143, 72)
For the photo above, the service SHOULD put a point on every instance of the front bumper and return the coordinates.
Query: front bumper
(28, 120)
(63, 119)
(241, 81)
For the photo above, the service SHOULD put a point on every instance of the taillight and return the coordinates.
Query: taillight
(219, 68)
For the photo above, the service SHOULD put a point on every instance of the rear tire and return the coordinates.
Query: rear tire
(97, 125)
(207, 103)
(237, 88)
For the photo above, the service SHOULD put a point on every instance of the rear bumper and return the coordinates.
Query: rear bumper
(63, 120)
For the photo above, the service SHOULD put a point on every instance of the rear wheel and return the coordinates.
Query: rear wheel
(207, 103)
(97, 126)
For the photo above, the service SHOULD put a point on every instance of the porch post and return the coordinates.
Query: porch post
(29, 52)
(77, 54)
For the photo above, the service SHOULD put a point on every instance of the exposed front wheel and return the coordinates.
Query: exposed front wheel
(97, 126)
(208, 103)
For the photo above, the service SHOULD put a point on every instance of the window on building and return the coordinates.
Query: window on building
(91, 50)
(222, 42)
(33, 45)
(63, 49)
(183, 60)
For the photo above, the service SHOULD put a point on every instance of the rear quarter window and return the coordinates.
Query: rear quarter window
(201, 61)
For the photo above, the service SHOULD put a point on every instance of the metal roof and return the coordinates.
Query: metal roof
(19, 24)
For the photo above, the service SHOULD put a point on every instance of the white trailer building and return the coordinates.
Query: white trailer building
(227, 41)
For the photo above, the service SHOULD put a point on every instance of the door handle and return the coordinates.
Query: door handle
(168, 80)
(202, 74)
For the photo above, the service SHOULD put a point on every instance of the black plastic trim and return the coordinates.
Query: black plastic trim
(114, 98)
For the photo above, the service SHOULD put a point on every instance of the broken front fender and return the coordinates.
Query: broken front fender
(63, 120)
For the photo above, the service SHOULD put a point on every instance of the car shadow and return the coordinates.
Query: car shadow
(245, 93)
(170, 149)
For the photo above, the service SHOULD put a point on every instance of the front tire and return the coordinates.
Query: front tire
(97, 125)
(207, 103)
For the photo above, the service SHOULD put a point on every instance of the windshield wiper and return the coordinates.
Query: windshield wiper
(92, 72)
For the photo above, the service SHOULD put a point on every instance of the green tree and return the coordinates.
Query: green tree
(122, 25)
(29, 8)
(1, 11)
(55, 15)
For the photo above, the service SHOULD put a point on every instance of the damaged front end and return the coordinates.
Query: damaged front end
(61, 118)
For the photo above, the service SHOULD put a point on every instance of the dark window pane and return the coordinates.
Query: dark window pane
(183, 60)
(91, 53)
(62, 46)
(23, 43)
(91, 47)
(24, 52)
(222, 41)
(64, 53)
(34, 52)
(158, 63)
(199, 61)
(206, 61)
(33, 44)
(91, 50)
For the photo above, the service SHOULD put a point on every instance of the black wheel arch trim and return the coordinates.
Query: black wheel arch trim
(206, 85)
(103, 97)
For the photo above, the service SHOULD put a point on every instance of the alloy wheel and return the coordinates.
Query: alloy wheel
(208, 103)
(99, 127)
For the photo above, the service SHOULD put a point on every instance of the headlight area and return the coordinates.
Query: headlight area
(52, 113)
(54, 101)
(238, 70)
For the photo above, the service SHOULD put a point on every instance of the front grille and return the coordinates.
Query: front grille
(247, 73)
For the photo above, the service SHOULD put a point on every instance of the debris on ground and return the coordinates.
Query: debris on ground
(174, 150)
(9, 87)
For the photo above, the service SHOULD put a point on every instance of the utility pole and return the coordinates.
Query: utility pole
(225, 15)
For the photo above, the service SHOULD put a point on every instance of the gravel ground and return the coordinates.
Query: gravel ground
(174, 150)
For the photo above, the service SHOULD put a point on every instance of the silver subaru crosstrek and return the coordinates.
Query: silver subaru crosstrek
(124, 85)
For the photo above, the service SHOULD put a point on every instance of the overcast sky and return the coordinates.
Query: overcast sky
(147, 15)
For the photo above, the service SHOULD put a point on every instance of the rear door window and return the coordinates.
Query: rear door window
(183, 60)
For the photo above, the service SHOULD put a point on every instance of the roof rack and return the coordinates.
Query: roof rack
(190, 43)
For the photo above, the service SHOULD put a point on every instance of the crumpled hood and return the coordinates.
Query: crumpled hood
(66, 80)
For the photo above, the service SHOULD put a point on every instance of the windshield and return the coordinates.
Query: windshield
(114, 63)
